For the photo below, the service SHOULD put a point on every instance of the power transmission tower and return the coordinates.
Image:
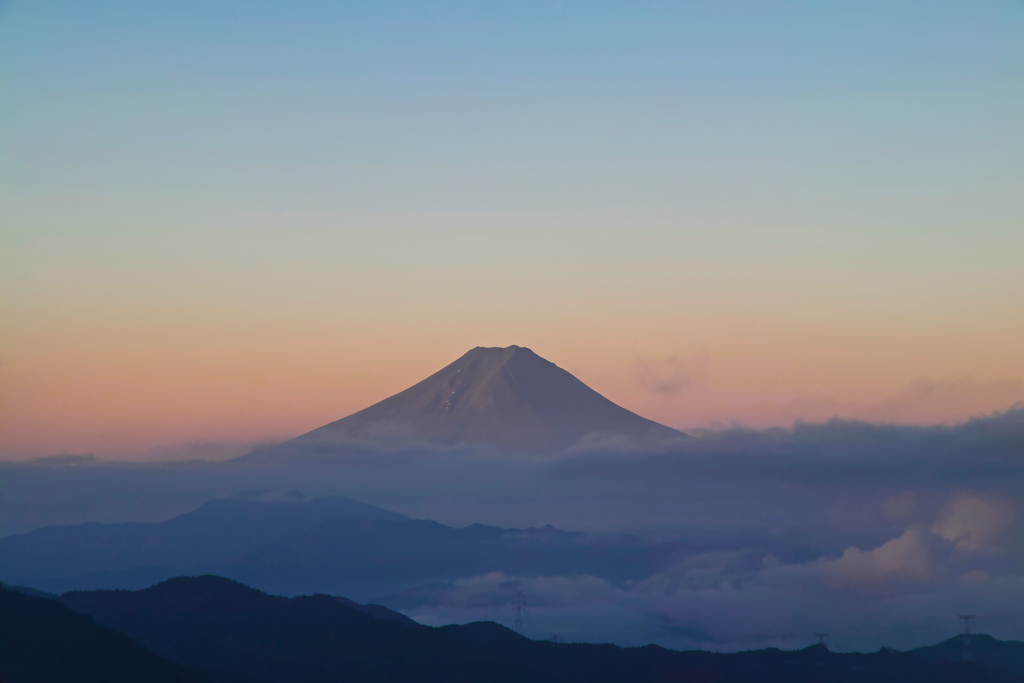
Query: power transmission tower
(822, 637)
(967, 630)
(518, 607)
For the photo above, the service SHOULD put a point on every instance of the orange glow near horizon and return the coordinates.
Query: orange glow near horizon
(121, 385)
(709, 215)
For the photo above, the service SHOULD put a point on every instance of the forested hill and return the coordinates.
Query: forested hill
(214, 623)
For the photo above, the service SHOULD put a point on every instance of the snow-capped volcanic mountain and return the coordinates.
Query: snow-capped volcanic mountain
(509, 398)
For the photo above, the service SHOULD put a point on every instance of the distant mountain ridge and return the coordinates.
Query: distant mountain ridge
(218, 532)
(212, 623)
(208, 629)
(508, 398)
(326, 545)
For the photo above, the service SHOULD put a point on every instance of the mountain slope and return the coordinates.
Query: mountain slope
(221, 625)
(1007, 655)
(506, 398)
(42, 641)
(219, 531)
(329, 545)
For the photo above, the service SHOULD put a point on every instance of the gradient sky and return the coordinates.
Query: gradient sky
(237, 221)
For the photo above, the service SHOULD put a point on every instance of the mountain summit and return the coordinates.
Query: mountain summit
(510, 399)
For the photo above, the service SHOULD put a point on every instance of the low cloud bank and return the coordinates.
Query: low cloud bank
(878, 534)
(904, 593)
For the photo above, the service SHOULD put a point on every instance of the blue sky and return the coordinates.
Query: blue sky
(817, 203)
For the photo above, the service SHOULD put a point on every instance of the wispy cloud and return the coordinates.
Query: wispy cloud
(672, 374)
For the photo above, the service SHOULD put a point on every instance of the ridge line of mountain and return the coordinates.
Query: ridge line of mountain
(216, 624)
(507, 399)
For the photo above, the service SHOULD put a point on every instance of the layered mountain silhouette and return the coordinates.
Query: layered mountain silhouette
(509, 398)
(326, 545)
(214, 624)
(136, 554)
(43, 641)
(208, 629)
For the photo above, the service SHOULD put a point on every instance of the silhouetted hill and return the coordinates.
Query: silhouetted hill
(219, 531)
(377, 611)
(998, 654)
(220, 625)
(294, 548)
(31, 592)
(42, 641)
(510, 399)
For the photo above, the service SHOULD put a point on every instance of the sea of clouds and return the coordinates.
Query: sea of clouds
(877, 534)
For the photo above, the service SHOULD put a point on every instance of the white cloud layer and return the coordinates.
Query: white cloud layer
(973, 521)
(903, 593)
